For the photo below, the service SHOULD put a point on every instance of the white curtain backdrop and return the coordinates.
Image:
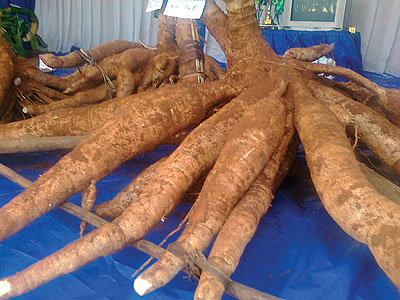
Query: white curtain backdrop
(87, 23)
(379, 24)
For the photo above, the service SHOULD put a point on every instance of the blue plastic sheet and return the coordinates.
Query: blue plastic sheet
(385, 80)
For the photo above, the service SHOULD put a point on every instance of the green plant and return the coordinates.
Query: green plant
(16, 30)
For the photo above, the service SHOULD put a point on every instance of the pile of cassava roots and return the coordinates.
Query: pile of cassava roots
(238, 128)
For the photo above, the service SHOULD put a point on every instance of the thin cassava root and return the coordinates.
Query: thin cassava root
(7, 73)
(74, 59)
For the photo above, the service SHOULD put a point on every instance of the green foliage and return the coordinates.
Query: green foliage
(16, 30)
(279, 5)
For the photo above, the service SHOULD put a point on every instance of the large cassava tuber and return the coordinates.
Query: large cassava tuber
(7, 73)
(346, 193)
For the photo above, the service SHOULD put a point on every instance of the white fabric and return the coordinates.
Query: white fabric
(87, 23)
(379, 24)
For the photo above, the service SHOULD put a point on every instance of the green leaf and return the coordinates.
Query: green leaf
(15, 28)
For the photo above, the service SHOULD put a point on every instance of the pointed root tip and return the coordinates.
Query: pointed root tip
(141, 286)
(5, 287)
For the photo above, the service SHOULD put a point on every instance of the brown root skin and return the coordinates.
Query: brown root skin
(309, 54)
(347, 195)
(116, 206)
(58, 83)
(89, 196)
(393, 102)
(353, 76)
(34, 86)
(66, 121)
(212, 69)
(216, 20)
(246, 44)
(248, 148)
(198, 139)
(166, 34)
(242, 223)
(157, 72)
(381, 136)
(7, 74)
(182, 170)
(98, 53)
(357, 92)
(365, 96)
(155, 116)
(131, 59)
(196, 154)
(234, 236)
(177, 138)
(125, 83)
(90, 96)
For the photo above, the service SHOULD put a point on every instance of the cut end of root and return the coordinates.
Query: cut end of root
(5, 287)
(141, 286)
(17, 81)
(25, 110)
